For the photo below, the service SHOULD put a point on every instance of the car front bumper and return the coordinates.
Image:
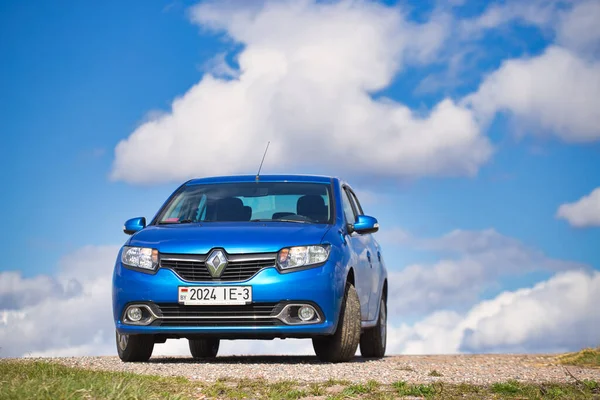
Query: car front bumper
(316, 286)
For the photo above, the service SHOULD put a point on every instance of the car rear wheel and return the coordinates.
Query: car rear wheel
(342, 345)
(134, 348)
(204, 348)
(373, 340)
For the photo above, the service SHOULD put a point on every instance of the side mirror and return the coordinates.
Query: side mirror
(366, 224)
(133, 225)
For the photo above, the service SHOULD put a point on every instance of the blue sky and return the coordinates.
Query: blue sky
(78, 78)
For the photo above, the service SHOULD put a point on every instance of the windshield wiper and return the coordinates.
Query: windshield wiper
(279, 220)
(183, 221)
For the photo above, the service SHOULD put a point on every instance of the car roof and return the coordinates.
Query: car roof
(262, 178)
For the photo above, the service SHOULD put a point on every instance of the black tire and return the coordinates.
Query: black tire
(204, 348)
(134, 348)
(342, 345)
(373, 340)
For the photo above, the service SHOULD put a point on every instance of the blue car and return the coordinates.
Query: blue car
(248, 257)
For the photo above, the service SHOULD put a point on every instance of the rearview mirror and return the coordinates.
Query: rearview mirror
(366, 224)
(134, 224)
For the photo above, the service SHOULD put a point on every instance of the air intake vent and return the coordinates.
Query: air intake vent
(240, 267)
(257, 314)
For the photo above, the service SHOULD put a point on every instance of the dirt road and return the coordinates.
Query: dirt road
(475, 369)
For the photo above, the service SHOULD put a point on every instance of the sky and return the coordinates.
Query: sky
(470, 129)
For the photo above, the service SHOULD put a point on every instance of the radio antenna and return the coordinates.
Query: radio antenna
(263, 160)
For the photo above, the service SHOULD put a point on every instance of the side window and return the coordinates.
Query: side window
(356, 203)
(348, 210)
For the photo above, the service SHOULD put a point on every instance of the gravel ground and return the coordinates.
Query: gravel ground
(474, 369)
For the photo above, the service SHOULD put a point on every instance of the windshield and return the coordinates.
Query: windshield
(250, 201)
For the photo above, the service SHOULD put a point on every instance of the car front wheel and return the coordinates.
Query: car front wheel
(373, 340)
(204, 348)
(342, 345)
(134, 348)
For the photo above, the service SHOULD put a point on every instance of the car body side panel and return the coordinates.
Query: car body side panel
(378, 278)
(358, 247)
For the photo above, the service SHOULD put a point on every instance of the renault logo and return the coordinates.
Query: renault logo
(216, 263)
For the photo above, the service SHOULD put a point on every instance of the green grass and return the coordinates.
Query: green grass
(359, 388)
(589, 358)
(509, 388)
(24, 379)
(580, 390)
(405, 389)
(41, 380)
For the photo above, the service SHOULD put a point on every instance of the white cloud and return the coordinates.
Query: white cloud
(17, 292)
(306, 74)
(558, 314)
(584, 212)
(61, 321)
(571, 23)
(556, 91)
(242, 347)
(419, 289)
(554, 316)
(568, 23)
(393, 236)
(471, 262)
(434, 334)
(540, 13)
(578, 28)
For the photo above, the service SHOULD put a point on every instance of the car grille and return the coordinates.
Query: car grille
(256, 314)
(240, 267)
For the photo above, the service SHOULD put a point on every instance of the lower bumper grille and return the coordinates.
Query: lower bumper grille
(256, 314)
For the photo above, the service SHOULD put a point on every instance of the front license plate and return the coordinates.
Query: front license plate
(215, 295)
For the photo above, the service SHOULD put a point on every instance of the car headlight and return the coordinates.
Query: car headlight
(302, 256)
(140, 257)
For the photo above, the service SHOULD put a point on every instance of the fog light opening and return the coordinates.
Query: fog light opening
(139, 314)
(134, 314)
(299, 313)
(306, 313)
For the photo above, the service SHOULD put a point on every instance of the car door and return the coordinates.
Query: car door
(374, 260)
(359, 249)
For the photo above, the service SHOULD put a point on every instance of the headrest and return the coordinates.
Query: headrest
(232, 209)
(312, 206)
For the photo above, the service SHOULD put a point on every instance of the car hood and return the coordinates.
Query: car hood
(233, 237)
